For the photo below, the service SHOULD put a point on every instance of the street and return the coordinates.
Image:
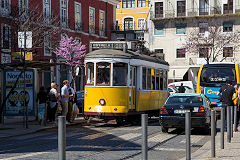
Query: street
(102, 142)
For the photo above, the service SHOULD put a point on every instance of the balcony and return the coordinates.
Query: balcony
(129, 27)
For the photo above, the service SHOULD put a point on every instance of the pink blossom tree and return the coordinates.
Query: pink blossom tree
(73, 53)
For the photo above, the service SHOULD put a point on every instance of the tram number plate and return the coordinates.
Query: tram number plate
(180, 111)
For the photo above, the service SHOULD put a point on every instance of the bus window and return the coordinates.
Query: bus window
(157, 79)
(161, 80)
(153, 79)
(217, 75)
(103, 73)
(90, 73)
(120, 74)
(144, 74)
(149, 82)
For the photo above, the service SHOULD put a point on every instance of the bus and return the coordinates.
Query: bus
(212, 76)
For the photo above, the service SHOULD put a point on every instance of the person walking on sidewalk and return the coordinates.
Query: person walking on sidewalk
(53, 97)
(65, 97)
(70, 103)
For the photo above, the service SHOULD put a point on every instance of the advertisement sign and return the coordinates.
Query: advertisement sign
(15, 102)
(16, 56)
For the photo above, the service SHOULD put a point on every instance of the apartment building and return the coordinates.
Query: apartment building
(132, 18)
(172, 21)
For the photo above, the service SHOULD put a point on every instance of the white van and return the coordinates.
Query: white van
(189, 86)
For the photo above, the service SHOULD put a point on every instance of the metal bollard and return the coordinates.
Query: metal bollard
(231, 121)
(213, 133)
(144, 136)
(222, 127)
(228, 124)
(188, 133)
(235, 119)
(61, 138)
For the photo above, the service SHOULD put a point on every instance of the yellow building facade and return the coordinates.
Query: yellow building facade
(132, 15)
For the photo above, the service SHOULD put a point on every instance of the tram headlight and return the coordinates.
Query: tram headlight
(102, 102)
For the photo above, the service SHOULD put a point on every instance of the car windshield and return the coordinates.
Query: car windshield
(185, 99)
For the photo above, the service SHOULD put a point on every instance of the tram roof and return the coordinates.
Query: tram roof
(112, 53)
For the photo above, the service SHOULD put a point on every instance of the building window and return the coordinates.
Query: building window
(181, 8)
(6, 43)
(181, 53)
(180, 28)
(228, 7)
(23, 8)
(227, 51)
(78, 16)
(141, 3)
(47, 44)
(118, 5)
(5, 6)
(203, 52)
(158, 31)
(203, 27)
(141, 24)
(64, 13)
(47, 10)
(101, 23)
(91, 20)
(203, 7)
(227, 27)
(158, 9)
(128, 3)
(128, 24)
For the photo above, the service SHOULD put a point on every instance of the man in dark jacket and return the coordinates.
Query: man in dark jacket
(228, 94)
(181, 89)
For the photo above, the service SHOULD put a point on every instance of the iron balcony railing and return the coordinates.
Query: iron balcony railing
(129, 27)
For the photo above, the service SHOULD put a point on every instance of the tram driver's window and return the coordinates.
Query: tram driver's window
(120, 74)
(144, 74)
(157, 79)
(90, 73)
(149, 80)
(103, 73)
(164, 80)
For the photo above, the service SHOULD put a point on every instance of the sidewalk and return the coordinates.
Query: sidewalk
(15, 126)
(231, 150)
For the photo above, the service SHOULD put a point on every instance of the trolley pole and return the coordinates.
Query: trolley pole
(222, 127)
(61, 138)
(188, 133)
(144, 137)
(213, 133)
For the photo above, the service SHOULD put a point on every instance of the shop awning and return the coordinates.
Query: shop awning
(177, 73)
(29, 64)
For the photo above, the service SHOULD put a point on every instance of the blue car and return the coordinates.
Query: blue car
(80, 101)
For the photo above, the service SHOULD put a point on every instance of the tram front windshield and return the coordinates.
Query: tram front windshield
(217, 75)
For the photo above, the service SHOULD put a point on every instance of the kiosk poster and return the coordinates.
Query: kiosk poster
(15, 102)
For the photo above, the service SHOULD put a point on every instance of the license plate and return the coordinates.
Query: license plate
(180, 111)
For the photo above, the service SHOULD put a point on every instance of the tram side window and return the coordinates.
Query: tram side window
(157, 80)
(161, 80)
(149, 82)
(90, 73)
(153, 79)
(164, 80)
(120, 74)
(144, 74)
(103, 73)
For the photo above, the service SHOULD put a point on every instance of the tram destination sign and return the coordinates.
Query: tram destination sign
(108, 45)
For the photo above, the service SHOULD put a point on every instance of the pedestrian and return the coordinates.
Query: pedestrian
(181, 89)
(42, 101)
(53, 98)
(65, 98)
(42, 95)
(70, 103)
(238, 105)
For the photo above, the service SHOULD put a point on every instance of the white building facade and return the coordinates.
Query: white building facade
(172, 21)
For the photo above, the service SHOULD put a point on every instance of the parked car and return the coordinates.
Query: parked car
(187, 89)
(172, 113)
(172, 90)
(80, 101)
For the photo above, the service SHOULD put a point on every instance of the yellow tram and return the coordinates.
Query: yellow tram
(122, 83)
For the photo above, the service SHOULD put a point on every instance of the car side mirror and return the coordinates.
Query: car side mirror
(212, 105)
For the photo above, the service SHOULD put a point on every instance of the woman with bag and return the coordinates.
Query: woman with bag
(53, 97)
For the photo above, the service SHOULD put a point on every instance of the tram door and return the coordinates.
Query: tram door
(132, 90)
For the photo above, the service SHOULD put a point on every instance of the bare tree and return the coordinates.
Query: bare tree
(210, 41)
